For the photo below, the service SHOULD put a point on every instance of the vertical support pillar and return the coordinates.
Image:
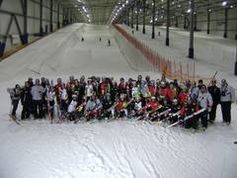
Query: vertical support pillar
(24, 37)
(137, 15)
(184, 21)
(144, 17)
(153, 19)
(191, 38)
(208, 21)
(176, 21)
(167, 41)
(236, 60)
(128, 17)
(51, 16)
(58, 11)
(1, 2)
(132, 26)
(195, 21)
(226, 22)
(41, 17)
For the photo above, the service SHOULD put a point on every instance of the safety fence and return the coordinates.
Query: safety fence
(182, 70)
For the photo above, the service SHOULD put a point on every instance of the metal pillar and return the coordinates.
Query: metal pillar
(132, 26)
(226, 22)
(1, 2)
(195, 22)
(208, 21)
(153, 19)
(176, 21)
(144, 17)
(236, 60)
(137, 15)
(24, 36)
(58, 22)
(184, 21)
(128, 17)
(41, 17)
(191, 38)
(167, 41)
(51, 16)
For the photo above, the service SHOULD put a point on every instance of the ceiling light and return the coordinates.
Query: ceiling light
(224, 3)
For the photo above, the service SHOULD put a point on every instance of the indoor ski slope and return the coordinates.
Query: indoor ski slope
(118, 149)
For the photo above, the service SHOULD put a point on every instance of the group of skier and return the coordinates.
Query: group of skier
(104, 98)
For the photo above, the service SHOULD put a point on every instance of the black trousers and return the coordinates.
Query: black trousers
(204, 118)
(26, 111)
(226, 111)
(15, 106)
(212, 114)
(38, 108)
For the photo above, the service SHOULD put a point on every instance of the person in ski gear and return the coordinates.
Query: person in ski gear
(107, 103)
(226, 99)
(63, 98)
(189, 107)
(215, 93)
(204, 101)
(26, 101)
(120, 109)
(93, 107)
(15, 94)
(57, 89)
(50, 95)
(37, 95)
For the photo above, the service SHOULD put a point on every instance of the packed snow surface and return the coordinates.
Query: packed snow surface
(118, 149)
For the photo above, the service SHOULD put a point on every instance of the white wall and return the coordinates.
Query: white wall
(33, 11)
(217, 19)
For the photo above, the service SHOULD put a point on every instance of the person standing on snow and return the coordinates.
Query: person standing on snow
(227, 97)
(215, 93)
(37, 98)
(205, 101)
(15, 94)
(26, 101)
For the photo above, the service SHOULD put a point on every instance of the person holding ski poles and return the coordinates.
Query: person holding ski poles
(93, 107)
(204, 101)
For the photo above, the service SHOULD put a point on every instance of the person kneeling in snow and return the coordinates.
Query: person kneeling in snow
(120, 108)
(72, 108)
(93, 108)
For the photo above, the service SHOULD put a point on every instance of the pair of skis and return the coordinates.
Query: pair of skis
(187, 118)
(14, 119)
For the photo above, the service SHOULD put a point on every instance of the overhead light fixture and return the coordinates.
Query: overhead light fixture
(224, 3)
(189, 10)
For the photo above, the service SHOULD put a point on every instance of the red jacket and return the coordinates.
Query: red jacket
(183, 97)
(120, 105)
(152, 90)
(152, 104)
(103, 88)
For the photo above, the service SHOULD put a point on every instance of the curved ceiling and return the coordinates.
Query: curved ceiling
(105, 11)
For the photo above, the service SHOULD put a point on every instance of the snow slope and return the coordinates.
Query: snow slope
(211, 53)
(119, 149)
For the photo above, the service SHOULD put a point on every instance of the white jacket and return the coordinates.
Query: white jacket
(37, 92)
(227, 94)
(72, 106)
(205, 100)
